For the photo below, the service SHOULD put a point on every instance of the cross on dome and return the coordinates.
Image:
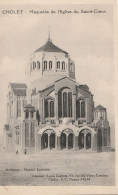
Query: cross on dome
(49, 39)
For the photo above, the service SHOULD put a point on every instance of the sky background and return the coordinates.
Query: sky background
(88, 38)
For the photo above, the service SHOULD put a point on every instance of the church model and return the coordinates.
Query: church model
(53, 111)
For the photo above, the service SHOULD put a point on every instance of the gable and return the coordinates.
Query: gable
(65, 83)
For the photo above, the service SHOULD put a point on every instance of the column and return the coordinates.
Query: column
(108, 137)
(76, 144)
(74, 107)
(62, 105)
(43, 112)
(94, 115)
(85, 141)
(102, 137)
(23, 135)
(49, 141)
(30, 115)
(22, 108)
(99, 114)
(38, 143)
(80, 107)
(73, 141)
(24, 115)
(94, 145)
(48, 108)
(34, 115)
(67, 105)
(58, 143)
(92, 137)
(66, 141)
(55, 141)
(36, 138)
(56, 106)
(42, 65)
(55, 64)
(29, 133)
(87, 109)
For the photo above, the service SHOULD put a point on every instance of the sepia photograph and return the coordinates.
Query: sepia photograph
(57, 86)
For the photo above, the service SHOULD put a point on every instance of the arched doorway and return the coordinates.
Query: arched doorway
(48, 139)
(88, 141)
(52, 140)
(63, 140)
(70, 141)
(44, 141)
(81, 140)
(66, 139)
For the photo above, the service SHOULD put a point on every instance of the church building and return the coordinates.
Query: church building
(52, 111)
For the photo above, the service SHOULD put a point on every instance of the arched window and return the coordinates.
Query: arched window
(71, 67)
(49, 108)
(63, 65)
(50, 65)
(34, 65)
(45, 65)
(46, 109)
(70, 104)
(82, 109)
(78, 109)
(58, 65)
(38, 64)
(60, 104)
(65, 103)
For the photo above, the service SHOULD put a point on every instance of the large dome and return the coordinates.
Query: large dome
(50, 60)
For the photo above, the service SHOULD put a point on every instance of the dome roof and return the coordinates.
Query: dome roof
(50, 47)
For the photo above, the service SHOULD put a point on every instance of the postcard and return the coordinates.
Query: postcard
(58, 97)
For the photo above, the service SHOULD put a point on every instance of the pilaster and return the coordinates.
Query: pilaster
(76, 145)
(74, 107)
(66, 141)
(85, 141)
(58, 143)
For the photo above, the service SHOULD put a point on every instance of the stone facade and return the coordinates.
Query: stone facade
(54, 111)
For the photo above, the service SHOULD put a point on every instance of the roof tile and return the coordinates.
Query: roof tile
(99, 107)
(18, 85)
(50, 47)
(20, 92)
